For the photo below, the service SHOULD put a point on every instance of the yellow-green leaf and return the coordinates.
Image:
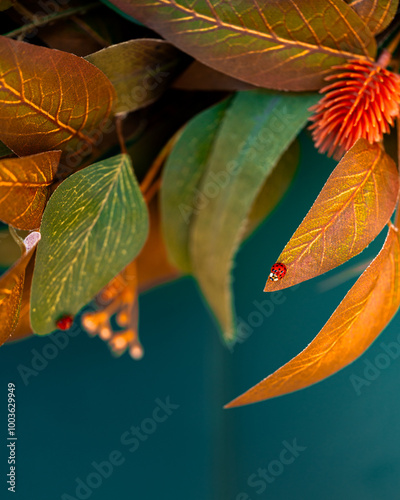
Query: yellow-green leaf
(94, 225)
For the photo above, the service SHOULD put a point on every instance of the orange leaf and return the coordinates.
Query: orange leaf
(377, 14)
(23, 328)
(50, 99)
(153, 265)
(277, 44)
(361, 316)
(353, 207)
(11, 288)
(24, 188)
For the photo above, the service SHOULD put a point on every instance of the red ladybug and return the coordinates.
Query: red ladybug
(65, 322)
(278, 271)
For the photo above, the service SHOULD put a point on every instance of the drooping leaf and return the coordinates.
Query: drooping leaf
(377, 14)
(257, 129)
(94, 224)
(50, 99)
(278, 44)
(140, 70)
(359, 319)
(183, 171)
(11, 288)
(353, 207)
(25, 188)
(23, 327)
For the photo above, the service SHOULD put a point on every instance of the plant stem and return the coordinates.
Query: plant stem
(158, 162)
(42, 21)
(118, 125)
(152, 191)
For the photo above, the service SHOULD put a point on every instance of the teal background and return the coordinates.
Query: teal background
(76, 409)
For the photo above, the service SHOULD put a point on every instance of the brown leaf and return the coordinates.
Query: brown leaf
(377, 14)
(11, 288)
(277, 44)
(361, 316)
(198, 76)
(24, 188)
(50, 99)
(354, 205)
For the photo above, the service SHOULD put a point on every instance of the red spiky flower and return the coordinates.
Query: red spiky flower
(362, 102)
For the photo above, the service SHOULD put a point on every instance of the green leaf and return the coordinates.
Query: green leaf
(95, 223)
(140, 70)
(279, 44)
(183, 171)
(257, 129)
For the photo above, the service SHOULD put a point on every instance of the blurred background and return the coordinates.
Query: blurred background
(80, 407)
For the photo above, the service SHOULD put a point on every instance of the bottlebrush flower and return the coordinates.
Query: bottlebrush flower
(362, 102)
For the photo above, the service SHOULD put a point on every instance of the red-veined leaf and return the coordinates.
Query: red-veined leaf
(50, 99)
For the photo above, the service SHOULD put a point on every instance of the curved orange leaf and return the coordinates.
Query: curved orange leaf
(24, 188)
(11, 288)
(23, 327)
(353, 207)
(49, 99)
(359, 319)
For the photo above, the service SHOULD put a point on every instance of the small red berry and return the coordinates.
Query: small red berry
(65, 322)
(278, 271)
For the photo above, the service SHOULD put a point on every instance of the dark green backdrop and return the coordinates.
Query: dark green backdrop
(77, 408)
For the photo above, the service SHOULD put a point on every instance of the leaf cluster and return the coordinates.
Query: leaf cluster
(143, 139)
